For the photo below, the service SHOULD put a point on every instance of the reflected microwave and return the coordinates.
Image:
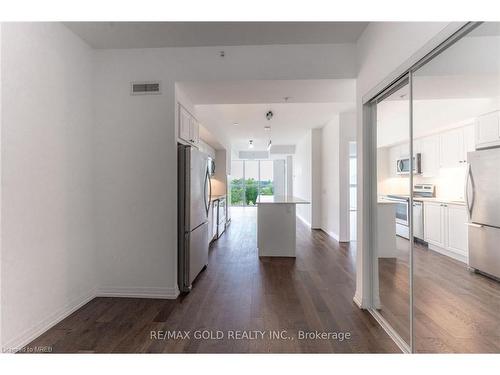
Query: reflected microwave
(211, 166)
(403, 165)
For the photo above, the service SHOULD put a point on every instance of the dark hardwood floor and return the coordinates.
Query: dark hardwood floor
(456, 310)
(238, 291)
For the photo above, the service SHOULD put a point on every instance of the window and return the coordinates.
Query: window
(250, 181)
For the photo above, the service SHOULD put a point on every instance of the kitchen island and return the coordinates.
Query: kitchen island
(276, 225)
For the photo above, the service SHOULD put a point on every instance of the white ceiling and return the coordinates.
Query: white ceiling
(221, 104)
(290, 123)
(195, 34)
(270, 91)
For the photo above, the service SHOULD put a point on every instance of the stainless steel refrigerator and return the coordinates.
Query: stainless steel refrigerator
(193, 205)
(483, 205)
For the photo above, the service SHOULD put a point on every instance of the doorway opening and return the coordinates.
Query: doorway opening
(353, 188)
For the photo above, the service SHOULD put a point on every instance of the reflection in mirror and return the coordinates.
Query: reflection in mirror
(392, 255)
(456, 127)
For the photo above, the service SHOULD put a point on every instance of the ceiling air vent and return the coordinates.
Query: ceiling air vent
(145, 88)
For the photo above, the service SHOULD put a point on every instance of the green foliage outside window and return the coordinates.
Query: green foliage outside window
(251, 192)
(245, 192)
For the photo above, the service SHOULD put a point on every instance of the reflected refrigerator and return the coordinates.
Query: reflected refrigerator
(193, 206)
(483, 205)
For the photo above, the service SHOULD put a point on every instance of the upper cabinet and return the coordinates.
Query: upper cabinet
(469, 141)
(444, 150)
(429, 148)
(454, 146)
(487, 129)
(445, 229)
(188, 127)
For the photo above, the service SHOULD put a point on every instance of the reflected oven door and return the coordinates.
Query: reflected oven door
(402, 213)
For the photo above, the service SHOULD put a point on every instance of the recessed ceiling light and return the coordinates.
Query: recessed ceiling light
(235, 124)
(267, 128)
(250, 143)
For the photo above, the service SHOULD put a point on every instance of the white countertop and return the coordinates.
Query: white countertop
(280, 199)
(439, 200)
(383, 200)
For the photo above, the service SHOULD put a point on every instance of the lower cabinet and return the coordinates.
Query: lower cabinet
(445, 229)
(457, 230)
(434, 223)
(212, 218)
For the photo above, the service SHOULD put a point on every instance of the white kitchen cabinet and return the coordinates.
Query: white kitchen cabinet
(194, 132)
(434, 223)
(417, 146)
(452, 149)
(456, 229)
(189, 128)
(454, 146)
(394, 155)
(429, 147)
(445, 229)
(469, 141)
(487, 130)
(184, 124)
(404, 150)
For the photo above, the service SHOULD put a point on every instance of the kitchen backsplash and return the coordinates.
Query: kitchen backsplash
(450, 184)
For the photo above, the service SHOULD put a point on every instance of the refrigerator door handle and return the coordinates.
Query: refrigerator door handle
(474, 225)
(205, 191)
(209, 189)
(470, 204)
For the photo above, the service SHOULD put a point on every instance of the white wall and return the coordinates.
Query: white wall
(206, 148)
(279, 177)
(48, 249)
(330, 220)
(302, 175)
(219, 180)
(347, 134)
(382, 49)
(307, 177)
(337, 134)
(316, 178)
(289, 175)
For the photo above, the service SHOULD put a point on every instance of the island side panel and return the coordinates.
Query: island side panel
(276, 229)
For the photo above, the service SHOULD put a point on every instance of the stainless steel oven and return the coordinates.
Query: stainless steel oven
(402, 214)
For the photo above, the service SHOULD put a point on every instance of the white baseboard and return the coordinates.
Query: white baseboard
(460, 257)
(334, 235)
(304, 221)
(357, 301)
(141, 292)
(35, 331)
